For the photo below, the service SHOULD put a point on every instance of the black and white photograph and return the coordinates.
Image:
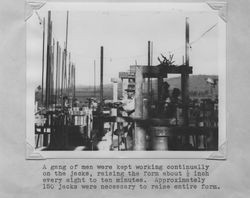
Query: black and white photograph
(138, 98)
(142, 78)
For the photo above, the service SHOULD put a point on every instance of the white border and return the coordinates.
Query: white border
(31, 153)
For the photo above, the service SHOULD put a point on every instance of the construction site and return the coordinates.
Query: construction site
(145, 113)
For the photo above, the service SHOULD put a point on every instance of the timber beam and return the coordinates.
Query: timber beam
(156, 71)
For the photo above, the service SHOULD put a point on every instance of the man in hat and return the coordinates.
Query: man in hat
(124, 130)
(129, 103)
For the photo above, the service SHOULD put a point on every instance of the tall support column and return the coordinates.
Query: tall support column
(185, 78)
(139, 139)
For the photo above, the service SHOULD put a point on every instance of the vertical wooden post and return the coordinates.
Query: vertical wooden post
(185, 79)
(149, 97)
(48, 65)
(149, 65)
(159, 88)
(48, 62)
(151, 82)
(139, 139)
(43, 58)
(62, 76)
(65, 55)
(101, 80)
(57, 69)
(67, 25)
(65, 71)
(59, 73)
(101, 94)
(68, 85)
(94, 79)
(74, 81)
(52, 71)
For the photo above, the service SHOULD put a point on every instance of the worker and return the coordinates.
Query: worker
(165, 92)
(171, 103)
(125, 129)
(163, 98)
(128, 104)
(65, 102)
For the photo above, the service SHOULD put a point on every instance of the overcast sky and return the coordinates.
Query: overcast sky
(124, 36)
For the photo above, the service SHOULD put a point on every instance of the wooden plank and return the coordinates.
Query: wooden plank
(155, 71)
